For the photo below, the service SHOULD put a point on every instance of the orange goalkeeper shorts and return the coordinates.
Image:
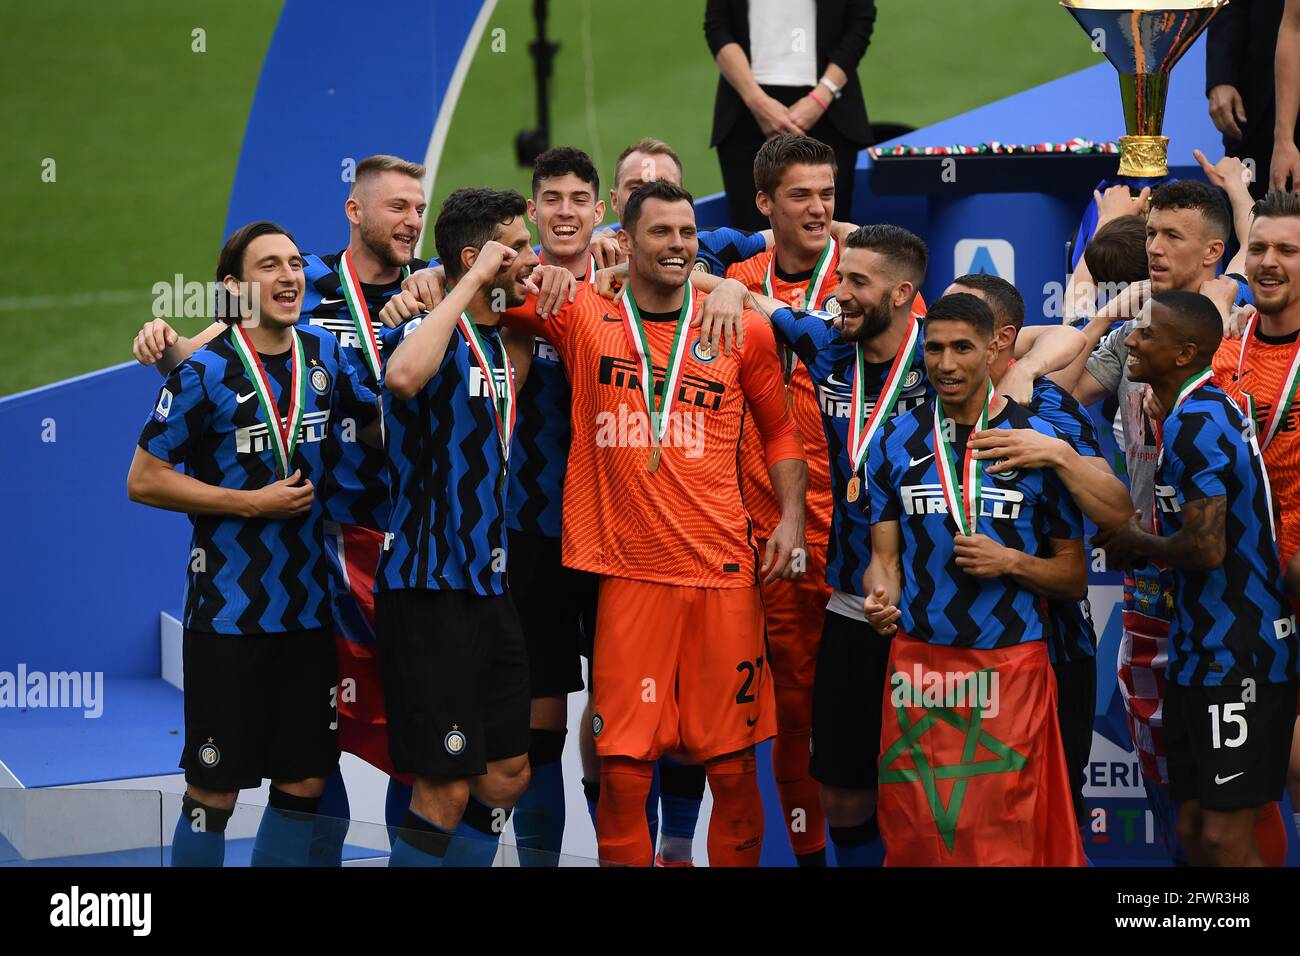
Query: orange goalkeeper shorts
(679, 670)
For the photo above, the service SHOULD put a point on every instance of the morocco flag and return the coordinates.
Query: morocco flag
(971, 767)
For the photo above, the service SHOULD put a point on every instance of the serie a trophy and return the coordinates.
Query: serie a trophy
(1143, 44)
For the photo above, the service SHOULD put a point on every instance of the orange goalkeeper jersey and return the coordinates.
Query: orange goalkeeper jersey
(1268, 360)
(755, 484)
(684, 523)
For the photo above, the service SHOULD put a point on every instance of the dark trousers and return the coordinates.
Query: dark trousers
(736, 157)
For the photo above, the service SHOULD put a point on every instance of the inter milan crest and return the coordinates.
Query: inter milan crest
(209, 754)
(703, 352)
(913, 377)
(597, 724)
(320, 381)
(1011, 475)
(700, 266)
(831, 305)
(454, 741)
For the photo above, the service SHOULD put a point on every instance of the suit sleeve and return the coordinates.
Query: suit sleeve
(179, 417)
(1225, 48)
(859, 21)
(761, 381)
(717, 25)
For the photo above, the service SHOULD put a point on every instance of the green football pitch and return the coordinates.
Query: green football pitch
(121, 140)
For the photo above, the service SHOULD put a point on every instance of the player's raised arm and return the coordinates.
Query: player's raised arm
(1088, 479)
(1052, 350)
(159, 345)
(420, 353)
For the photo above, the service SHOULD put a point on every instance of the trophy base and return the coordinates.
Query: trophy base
(1144, 157)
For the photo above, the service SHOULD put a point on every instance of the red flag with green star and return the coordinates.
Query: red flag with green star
(972, 772)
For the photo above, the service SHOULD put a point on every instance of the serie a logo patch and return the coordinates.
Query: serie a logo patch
(164, 405)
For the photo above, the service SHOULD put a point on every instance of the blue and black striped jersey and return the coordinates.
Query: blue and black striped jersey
(829, 361)
(354, 488)
(1022, 509)
(721, 248)
(1072, 635)
(446, 528)
(254, 575)
(1232, 623)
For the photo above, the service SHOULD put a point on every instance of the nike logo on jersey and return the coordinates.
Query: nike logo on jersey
(750, 721)
(1222, 780)
(916, 461)
(331, 301)
(240, 399)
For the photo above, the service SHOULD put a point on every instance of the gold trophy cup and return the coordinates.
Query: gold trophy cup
(1143, 45)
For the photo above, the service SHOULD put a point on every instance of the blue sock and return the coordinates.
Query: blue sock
(284, 837)
(200, 836)
(591, 790)
(475, 841)
(539, 813)
(652, 808)
(396, 802)
(419, 842)
(858, 846)
(330, 829)
(681, 792)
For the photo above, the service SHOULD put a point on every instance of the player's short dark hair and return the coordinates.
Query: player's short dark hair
(230, 262)
(383, 163)
(659, 189)
(781, 152)
(1197, 319)
(1001, 296)
(472, 217)
(562, 160)
(963, 307)
(1276, 204)
(1117, 251)
(904, 250)
(1204, 198)
(649, 146)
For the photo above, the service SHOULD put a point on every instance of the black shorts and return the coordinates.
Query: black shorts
(848, 695)
(1076, 705)
(455, 672)
(1248, 767)
(553, 602)
(259, 707)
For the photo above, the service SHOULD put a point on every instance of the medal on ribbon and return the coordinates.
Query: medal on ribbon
(863, 427)
(660, 410)
(962, 497)
(284, 437)
(503, 407)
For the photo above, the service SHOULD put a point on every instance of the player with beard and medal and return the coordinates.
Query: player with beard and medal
(345, 293)
(1260, 371)
(1230, 692)
(869, 347)
(247, 415)
(652, 504)
(452, 653)
(960, 565)
(1075, 453)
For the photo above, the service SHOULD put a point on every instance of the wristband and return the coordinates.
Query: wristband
(825, 106)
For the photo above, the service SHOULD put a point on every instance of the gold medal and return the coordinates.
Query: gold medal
(656, 454)
(855, 489)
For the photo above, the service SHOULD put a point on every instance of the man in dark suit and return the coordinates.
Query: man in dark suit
(1239, 84)
(788, 66)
